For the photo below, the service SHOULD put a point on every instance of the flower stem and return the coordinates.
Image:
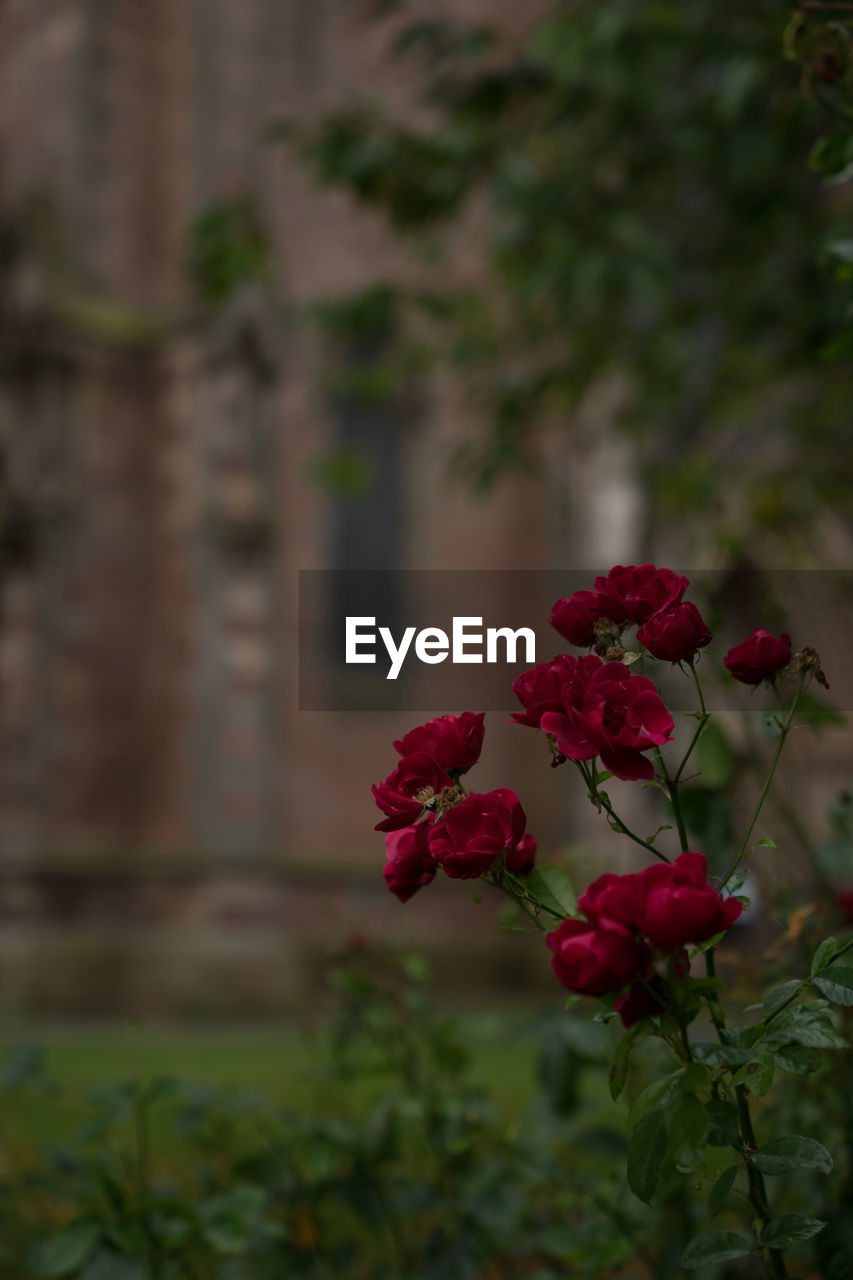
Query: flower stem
(672, 788)
(784, 730)
(773, 1261)
(601, 799)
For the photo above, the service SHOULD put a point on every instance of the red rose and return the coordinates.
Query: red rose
(521, 858)
(844, 902)
(676, 904)
(759, 657)
(575, 618)
(644, 999)
(610, 713)
(611, 897)
(404, 792)
(593, 959)
(637, 591)
(674, 633)
(409, 865)
(454, 742)
(478, 830)
(541, 688)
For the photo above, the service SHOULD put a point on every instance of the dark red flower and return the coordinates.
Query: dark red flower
(676, 905)
(758, 657)
(609, 712)
(844, 902)
(611, 897)
(643, 999)
(454, 742)
(634, 592)
(674, 633)
(403, 794)
(541, 688)
(575, 618)
(594, 959)
(409, 865)
(478, 830)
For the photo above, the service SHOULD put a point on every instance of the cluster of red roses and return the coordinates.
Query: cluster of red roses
(671, 629)
(588, 707)
(630, 919)
(474, 831)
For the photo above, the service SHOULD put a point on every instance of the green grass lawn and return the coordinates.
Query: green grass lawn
(285, 1065)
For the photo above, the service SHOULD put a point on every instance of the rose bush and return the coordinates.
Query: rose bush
(633, 940)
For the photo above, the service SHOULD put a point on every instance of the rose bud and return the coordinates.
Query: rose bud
(759, 657)
(409, 865)
(675, 633)
(609, 712)
(454, 742)
(541, 688)
(575, 618)
(478, 830)
(611, 897)
(402, 796)
(676, 904)
(639, 590)
(594, 959)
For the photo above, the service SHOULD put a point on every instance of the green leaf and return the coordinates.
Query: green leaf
(688, 1131)
(836, 983)
(722, 1123)
(757, 1075)
(65, 1251)
(646, 1153)
(552, 887)
(790, 1228)
(657, 1094)
(618, 1073)
(695, 1076)
(714, 1246)
(799, 1059)
(792, 1153)
(721, 1188)
(823, 955)
(766, 843)
(720, 1055)
(806, 1024)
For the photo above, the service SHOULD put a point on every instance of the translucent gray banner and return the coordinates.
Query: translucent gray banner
(407, 622)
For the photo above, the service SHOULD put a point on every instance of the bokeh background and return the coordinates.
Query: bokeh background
(330, 285)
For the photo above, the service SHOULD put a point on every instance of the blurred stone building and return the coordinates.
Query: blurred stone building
(174, 832)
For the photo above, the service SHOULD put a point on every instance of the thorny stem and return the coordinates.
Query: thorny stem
(784, 730)
(601, 798)
(774, 1263)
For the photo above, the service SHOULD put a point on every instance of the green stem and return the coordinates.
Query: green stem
(602, 799)
(773, 1260)
(695, 676)
(672, 788)
(784, 730)
(705, 717)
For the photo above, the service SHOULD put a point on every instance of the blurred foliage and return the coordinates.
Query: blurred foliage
(228, 247)
(401, 1167)
(633, 181)
(410, 1173)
